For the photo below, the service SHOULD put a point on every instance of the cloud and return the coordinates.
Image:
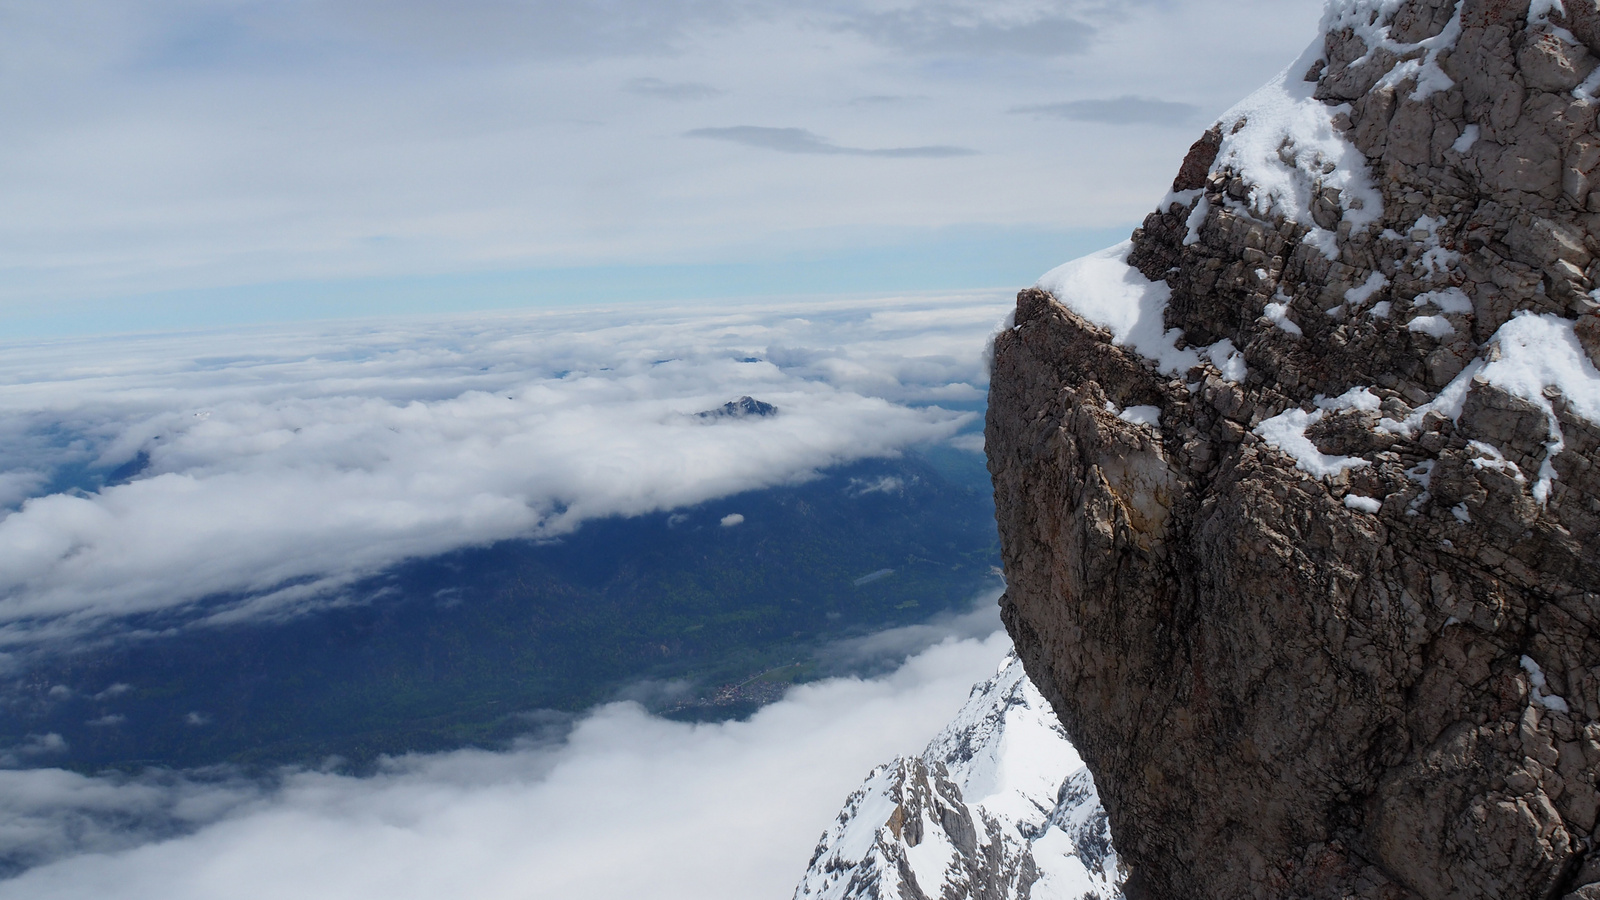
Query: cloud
(798, 140)
(185, 145)
(953, 30)
(665, 90)
(1117, 111)
(884, 100)
(284, 464)
(884, 484)
(581, 30)
(31, 751)
(622, 805)
(732, 519)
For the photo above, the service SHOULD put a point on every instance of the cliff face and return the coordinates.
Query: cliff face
(1299, 491)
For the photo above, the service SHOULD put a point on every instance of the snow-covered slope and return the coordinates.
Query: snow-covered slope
(998, 807)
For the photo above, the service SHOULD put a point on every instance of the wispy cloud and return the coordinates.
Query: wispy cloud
(623, 805)
(282, 465)
(798, 140)
(953, 29)
(185, 145)
(670, 90)
(873, 100)
(1127, 110)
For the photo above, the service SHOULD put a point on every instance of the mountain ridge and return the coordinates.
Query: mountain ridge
(982, 812)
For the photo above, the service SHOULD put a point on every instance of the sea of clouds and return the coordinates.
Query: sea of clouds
(262, 470)
(623, 805)
(190, 478)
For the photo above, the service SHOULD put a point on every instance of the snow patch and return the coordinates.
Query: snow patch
(1105, 290)
(1142, 415)
(1539, 687)
(1447, 403)
(1287, 432)
(1433, 326)
(1539, 353)
(1358, 296)
(1228, 360)
(1283, 142)
(1363, 504)
(930, 858)
(1490, 457)
(1197, 217)
(1277, 313)
(1542, 351)
(1450, 300)
(1539, 13)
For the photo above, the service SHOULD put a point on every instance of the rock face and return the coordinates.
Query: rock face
(1299, 491)
(983, 813)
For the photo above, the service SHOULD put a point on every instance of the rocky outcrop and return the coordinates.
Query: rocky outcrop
(1299, 491)
(984, 813)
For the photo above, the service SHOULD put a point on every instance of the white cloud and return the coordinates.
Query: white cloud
(177, 144)
(625, 806)
(732, 519)
(282, 464)
(35, 749)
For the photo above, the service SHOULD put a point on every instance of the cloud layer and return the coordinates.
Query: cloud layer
(1118, 111)
(180, 144)
(269, 468)
(798, 140)
(624, 806)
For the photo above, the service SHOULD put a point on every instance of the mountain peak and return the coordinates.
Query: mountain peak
(984, 811)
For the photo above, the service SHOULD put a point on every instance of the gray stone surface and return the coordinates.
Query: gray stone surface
(1280, 695)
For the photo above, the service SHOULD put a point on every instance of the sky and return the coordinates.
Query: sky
(246, 252)
(179, 163)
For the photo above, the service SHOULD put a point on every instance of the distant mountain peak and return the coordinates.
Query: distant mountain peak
(984, 812)
(742, 408)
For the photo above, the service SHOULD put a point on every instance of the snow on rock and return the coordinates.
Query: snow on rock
(1433, 326)
(1373, 20)
(1540, 352)
(1142, 415)
(1277, 312)
(1358, 296)
(984, 811)
(1105, 290)
(1283, 141)
(1287, 432)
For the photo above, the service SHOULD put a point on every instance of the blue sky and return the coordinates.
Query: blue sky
(215, 162)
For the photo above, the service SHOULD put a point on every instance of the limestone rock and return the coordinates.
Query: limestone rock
(1328, 627)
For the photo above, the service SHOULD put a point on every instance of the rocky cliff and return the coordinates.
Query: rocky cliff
(998, 807)
(1298, 490)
